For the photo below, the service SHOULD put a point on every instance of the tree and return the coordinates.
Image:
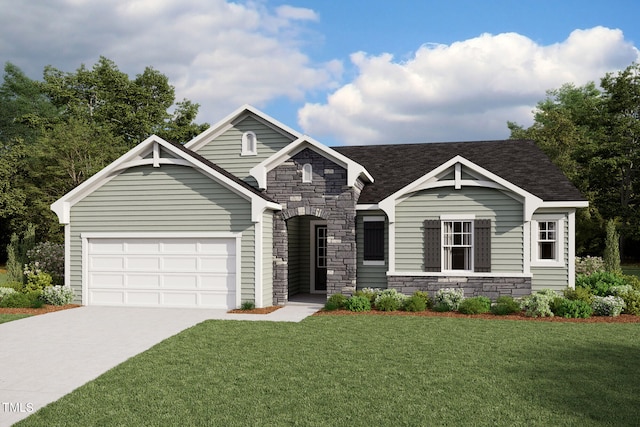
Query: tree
(612, 249)
(593, 135)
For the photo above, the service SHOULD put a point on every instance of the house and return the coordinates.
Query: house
(252, 210)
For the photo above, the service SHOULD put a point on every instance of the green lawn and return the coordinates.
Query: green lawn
(9, 317)
(631, 269)
(369, 371)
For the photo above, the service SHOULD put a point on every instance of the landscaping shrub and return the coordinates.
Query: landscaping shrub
(358, 303)
(16, 286)
(589, 265)
(607, 306)
(567, 308)
(37, 280)
(630, 296)
(538, 304)
(6, 291)
(49, 257)
(475, 305)
(16, 300)
(448, 299)
(633, 281)
(504, 305)
(415, 303)
(578, 294)
(370, 293)
(247, 305)
(335, 302)
(387, 294)
(600, 282)
(387, 303)
(17, 253)
(61, 295)
(424, 296)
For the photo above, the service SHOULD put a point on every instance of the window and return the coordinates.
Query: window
(373, 240)
(457, 245)
(307, 172)
(547, 239)
(249, 144)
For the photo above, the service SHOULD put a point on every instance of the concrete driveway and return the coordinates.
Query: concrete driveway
(43, 358)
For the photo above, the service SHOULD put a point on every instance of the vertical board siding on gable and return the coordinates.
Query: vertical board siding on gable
(166, 199)
(556, 278)
(371, 276)
(225, 149)
(267, 258)
(485, 203)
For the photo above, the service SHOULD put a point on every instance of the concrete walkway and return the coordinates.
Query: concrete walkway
(43, 358)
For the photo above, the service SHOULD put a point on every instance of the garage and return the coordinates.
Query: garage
(161, 271)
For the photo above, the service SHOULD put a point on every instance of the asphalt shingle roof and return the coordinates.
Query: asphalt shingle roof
(520, 162)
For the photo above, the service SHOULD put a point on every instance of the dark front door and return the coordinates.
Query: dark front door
(320, 257)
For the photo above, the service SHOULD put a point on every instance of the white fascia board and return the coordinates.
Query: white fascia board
(63, 205)
(565, 205)
(354, 169)
(221, 126)
(530, 201)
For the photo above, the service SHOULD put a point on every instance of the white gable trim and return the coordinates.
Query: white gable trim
(136, 157)
(238, 115)
(354, 169)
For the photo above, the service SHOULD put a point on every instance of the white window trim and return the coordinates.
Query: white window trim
(560, 219)
(375, 218)
(307, 173)
(443, 254)
(246, 151)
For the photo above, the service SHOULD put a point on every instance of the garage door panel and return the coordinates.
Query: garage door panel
(177, 272)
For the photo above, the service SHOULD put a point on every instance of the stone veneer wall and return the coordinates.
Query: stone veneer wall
(327, 197)
(491, 287)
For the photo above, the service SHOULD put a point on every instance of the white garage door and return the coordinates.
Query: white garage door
(166, 272)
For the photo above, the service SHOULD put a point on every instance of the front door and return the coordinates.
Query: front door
(320, 258)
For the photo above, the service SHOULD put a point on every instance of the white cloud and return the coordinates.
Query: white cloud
(220, 54)
(464, 91)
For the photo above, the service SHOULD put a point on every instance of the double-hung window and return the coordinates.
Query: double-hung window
(457, 238)
(547, 240)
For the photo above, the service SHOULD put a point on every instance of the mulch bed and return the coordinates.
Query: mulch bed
(265, 310)
(624, 318)
(35, 311)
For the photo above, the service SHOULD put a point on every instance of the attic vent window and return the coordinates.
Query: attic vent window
(307, 172)
(249, 144)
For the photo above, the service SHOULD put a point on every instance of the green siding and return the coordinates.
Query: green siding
(267, 258)
(293, 231)
(556, 278)
(226, 148)
(371, 276)
(506, 226)
(170, 198)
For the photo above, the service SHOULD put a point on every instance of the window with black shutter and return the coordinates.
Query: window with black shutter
(451, 241)
(374, 240)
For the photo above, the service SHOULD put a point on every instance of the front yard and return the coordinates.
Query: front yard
(370, 370)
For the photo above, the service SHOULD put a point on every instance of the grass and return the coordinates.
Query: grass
(366, 371)
(4, 318)
(631, 269)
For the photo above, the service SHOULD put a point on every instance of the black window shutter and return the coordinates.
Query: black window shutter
(374, 240)
(482, 245)
(432, 246)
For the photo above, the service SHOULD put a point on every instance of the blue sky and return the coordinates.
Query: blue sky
(344, 72)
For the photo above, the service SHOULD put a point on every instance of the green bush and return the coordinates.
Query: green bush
(49, 257)
(415, 303)
(6, 291)
(63, 295)
(630, 296)
(37, 280)
(538, 304)
(607, 306)
(387, 303)
(504, 305)
(17, 252)
(247, 305)
(600, 282)
(567, 308)
(15, 285)
(386, 294)
(425, 297)
(16, 300)
(589, 265)
(335, 302)
(475, 305)
(370, 293)
(578, 294)
(448, 299)
(633, 281)
(358, 303)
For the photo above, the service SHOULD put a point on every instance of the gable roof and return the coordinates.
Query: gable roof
(520, 162)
